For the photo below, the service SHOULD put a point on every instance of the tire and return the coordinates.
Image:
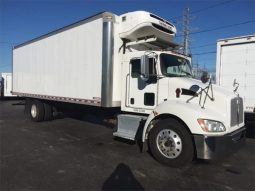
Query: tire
(48, 112)
(170, 143)
(36, 111)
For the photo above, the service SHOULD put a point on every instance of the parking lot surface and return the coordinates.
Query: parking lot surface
(75, 154)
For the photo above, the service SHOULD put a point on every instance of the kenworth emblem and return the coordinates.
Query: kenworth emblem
(235, 85)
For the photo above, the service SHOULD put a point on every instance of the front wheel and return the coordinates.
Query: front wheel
(170, 143)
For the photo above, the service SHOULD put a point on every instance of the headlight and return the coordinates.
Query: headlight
(211, 126)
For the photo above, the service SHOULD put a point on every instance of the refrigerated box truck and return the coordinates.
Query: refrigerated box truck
(6, 85)
(130, 62)
(235, 70)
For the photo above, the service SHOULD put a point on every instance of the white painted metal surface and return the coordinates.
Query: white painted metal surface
(67, 64)
(7, 85)
(166, 101)
(236, 60)
(139, 24)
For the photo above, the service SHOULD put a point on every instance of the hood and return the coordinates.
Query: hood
(189, 91)
(220, 104)
(185, 84)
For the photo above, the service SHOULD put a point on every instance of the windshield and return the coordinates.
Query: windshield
(174, 66)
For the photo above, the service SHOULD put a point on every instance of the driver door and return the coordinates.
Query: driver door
(142, 95)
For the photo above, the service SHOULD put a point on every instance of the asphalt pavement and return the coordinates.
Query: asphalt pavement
(81, 154)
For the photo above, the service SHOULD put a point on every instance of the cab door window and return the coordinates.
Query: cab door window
(136, 67)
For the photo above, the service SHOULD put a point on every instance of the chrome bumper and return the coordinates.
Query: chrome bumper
(212, 147)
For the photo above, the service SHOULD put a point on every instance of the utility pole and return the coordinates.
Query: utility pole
(186, 31)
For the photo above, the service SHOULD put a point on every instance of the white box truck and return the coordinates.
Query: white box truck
(129, 61)
(6, 85)
(235, 70)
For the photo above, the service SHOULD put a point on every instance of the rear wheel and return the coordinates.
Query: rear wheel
(36, 110)
(170, 143)
(48, 111)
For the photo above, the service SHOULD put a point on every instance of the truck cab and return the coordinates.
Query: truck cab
(179, 117)
(145, 91)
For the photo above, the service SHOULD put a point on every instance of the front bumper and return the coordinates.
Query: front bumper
(212, 147)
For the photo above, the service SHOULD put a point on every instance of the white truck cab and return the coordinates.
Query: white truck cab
(180, 116)
(133, 64)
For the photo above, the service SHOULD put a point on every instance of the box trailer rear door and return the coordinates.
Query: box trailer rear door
(237, 61)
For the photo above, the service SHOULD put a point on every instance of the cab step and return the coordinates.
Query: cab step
(129, 126)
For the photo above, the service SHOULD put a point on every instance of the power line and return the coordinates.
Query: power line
(202, 53)
(221, 27)
(204, 45)
(206, 8)
(212, 6)
(186, 23)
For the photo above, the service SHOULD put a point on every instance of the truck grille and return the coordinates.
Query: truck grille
(236, 111)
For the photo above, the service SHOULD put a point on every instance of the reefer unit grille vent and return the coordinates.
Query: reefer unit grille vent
(162, 28)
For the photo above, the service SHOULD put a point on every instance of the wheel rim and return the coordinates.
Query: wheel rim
(33, 111)
(169, 143)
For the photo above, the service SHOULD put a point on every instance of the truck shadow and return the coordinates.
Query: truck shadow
(11, 99)
(100, 119)
(106, 117)
(101, 116)
(122, 178)
(250, 125)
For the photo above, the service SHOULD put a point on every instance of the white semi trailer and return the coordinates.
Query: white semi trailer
(6, 85)
(128, 61)
(235, 70)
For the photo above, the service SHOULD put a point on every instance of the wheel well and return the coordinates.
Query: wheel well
(167, 116)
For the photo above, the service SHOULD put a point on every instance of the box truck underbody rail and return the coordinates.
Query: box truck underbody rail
(94, 102)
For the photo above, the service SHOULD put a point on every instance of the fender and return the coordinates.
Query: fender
(186, 112)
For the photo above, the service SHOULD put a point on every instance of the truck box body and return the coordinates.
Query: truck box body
(72, 64)
(80, 63)
(6, 85)
(236, 61)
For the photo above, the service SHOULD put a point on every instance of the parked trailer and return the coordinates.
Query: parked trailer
(129, 61)
(6, 85)
(235, 70)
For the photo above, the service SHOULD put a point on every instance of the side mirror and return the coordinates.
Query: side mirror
(205, 77)
(144, 65)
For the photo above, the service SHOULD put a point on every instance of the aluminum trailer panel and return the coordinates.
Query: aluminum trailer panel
(72, 64)
(6, 85)
(236, 60)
